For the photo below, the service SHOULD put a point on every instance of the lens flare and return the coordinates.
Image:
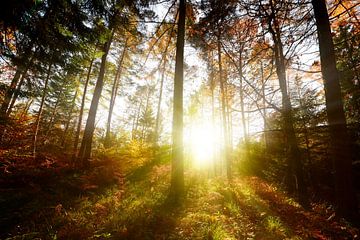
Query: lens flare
(201, 141)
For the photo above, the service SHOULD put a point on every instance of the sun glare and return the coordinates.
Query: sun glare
(201, 143)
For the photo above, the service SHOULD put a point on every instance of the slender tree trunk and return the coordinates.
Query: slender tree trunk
(54, 112)
(340, 150)
(69, 119)
(114, 92)
(177, 166)
(295, 164)
(223, 111)
(27, 106)
(78, 129)
(213, 125)
(6, 108)
(264, 105)
(144, 126)
(16, 94)
(38, 118)
(134, 133)
(9, 92)
(243, 119)
(212, 89)
(158, 115)
(85, 148)
(157, 126)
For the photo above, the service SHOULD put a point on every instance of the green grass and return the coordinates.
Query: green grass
(213, 208)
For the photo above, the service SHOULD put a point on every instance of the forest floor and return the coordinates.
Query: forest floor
(53, 204)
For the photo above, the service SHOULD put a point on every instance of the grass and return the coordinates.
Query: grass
(137, 208)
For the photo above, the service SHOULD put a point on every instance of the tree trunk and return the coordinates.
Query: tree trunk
(10, 98)
(85, 148)
(295, 166)
(340, 148)
(144, 126)
(9, 93)
(212, 89)
(38, 118)
(177, 166)
(242, 99)
(114, 92)
(223, 112)
(69, 118)
(78, 129)
(16, 94)
(264, 105)
(54, 112)
(157, 123)
(137, 119)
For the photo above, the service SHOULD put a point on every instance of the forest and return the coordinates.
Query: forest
(179, 119)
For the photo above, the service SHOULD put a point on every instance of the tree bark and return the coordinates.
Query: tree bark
(177, 166)
(10, 98)
(295, 166)
(114, 92)
(69, 119)
(54, 112)
(9, 92)
(78, 129)
(340, 146)
(223, 111)
(16, 94)
(85, 148)
(264, 105)
(157, 123)
(38, 118)
(243, 120)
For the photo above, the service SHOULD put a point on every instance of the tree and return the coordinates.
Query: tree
(85, 148)
(177, 166)
(114, 92)
(340, 150)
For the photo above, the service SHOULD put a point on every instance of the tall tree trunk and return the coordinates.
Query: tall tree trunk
(137, 119)
(243, 119)
(27, 107)
(264, 105)
(177, 166)
(223, 111)
(38, 118)
(213, 123)
(340, 150)
(158, 115)
(212, 89)
(157, 123)
(54, 112)
(6, 106)
(16, 94)
(114, 92)
(9, 92)
(69, 118)
(144, 126)
(85, 148)
(295, 164)
(78, 129)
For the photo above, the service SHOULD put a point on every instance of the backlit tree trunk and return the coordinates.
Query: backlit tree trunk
(340, 150)
(177, 166)
(243, 119)
(38, 117)
(78, 129)
(223, 111)
(295, 166)
(114, 92)
(85, 148)
(69, 119)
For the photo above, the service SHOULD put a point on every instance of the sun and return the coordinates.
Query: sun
(201, 141)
